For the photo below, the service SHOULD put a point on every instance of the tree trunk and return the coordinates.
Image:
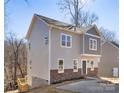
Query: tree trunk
(15, 68)
(20, 70)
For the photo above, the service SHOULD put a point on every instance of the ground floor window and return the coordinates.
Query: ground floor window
(60, 66)
(75, 63)
(92, 65)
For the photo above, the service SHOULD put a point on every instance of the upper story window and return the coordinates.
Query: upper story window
(75, 63)
(92, 44)
(66, 40)
(60, 66)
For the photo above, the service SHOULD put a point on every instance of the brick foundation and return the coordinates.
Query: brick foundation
(92, 72)
(67, 75)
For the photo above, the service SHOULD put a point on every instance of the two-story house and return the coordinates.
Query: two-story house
(56, 52)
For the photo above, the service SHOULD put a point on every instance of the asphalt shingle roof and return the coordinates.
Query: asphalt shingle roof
(58, 23)
(114, 43)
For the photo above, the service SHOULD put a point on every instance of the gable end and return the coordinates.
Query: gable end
(93, 31)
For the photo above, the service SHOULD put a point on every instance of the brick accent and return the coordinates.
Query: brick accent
(67, 75)
(92, 72)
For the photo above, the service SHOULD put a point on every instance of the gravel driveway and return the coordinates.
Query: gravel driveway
(91, 86)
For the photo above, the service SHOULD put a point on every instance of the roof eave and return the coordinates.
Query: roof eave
(72, 31)
(30, 27)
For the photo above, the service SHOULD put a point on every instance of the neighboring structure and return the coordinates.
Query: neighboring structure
(56, 52)
(109, 63)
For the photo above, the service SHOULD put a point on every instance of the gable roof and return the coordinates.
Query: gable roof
(54, 22)
(115, 44)
(91, 27)
(61, 25)
(58, 23)
(112, 43)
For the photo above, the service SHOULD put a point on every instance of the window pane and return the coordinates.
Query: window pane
(95, 44)
(60, 62)
(75, 67)
(68, 38)
(91, 44)
(60, 68)
(75, 62)
(63, 43)
(63, 37)
(68, 44)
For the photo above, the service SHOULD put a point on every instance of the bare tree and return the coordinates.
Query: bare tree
(74, 9)
(107, 34)
(15, 46)
(88, 19)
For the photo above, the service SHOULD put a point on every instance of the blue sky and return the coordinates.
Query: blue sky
(20, 14)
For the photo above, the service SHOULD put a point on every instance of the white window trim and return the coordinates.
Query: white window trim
(58, 65)
(75, 70)
(93, 35)
(90, 55)
(65, 40)
(93, 44)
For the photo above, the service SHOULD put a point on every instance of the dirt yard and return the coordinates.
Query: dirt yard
(53, 89)
(49, 89)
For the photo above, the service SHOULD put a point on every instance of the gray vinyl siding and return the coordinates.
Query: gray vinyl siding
(86, 45)
(68, 54)
(81, 44)
(93, 31)
(39, 52)
(109, 59)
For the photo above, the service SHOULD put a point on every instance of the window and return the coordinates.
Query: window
(75, 63)
(92, 65)
(46, 38)
(66, 40)
(60, 66)
(92, 44)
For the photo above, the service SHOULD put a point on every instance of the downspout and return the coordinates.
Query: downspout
(49, 65)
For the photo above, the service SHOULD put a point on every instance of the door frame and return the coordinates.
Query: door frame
(82, 65)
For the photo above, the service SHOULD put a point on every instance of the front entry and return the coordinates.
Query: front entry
(84, 67)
